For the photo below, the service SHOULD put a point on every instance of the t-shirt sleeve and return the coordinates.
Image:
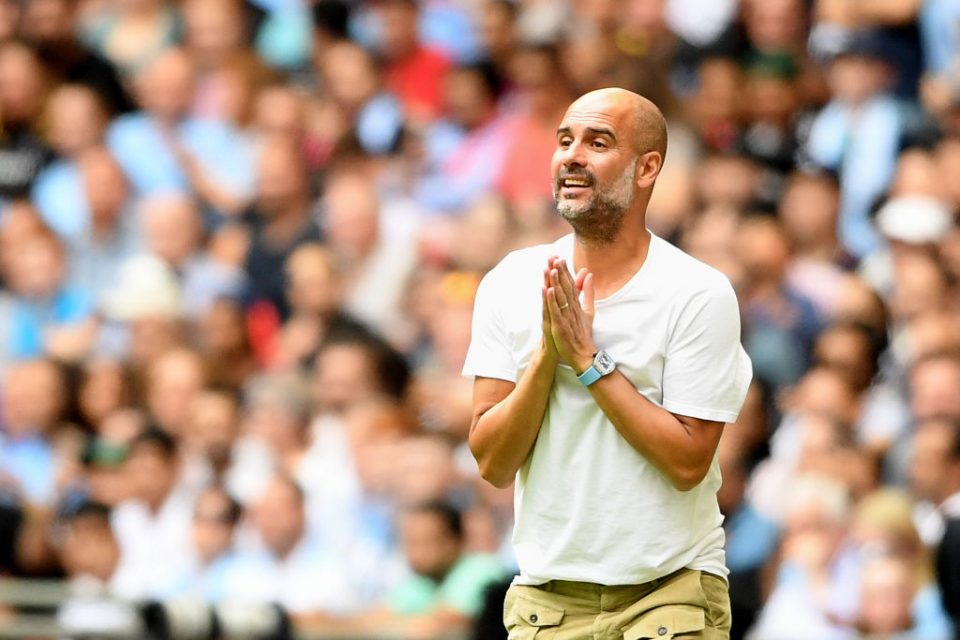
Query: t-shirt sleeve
(490, 355)
(706, 371)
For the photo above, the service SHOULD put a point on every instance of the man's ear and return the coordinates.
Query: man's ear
(648, 168)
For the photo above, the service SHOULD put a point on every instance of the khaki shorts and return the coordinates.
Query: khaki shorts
(683, 605)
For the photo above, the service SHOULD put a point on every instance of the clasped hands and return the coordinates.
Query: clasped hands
(568, 315)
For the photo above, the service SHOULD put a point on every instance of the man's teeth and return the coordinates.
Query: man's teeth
(572, 182)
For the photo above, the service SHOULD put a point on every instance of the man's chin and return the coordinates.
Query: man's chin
(572, 211)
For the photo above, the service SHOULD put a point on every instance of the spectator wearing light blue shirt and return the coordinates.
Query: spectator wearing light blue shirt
(33, 401)
(162, 149)
(858, 134)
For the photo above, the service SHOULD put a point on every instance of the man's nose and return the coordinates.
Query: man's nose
(573, 155)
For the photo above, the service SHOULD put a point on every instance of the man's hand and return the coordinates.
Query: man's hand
(570, 318)
(548, 346)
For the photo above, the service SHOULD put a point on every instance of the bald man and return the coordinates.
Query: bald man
(606, 365)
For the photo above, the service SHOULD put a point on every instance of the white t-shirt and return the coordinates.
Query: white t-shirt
(588, 506)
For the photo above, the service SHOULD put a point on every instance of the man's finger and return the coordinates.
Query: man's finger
(566, 281)
(588, 293)
(555, 284)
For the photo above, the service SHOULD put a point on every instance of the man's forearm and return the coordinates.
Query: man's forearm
(681, 451)
(504, 432)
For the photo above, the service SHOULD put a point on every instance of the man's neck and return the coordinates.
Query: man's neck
(613, 264)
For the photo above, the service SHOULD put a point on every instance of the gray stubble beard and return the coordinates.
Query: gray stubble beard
(599, 220)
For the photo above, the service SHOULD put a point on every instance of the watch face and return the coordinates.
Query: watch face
(603, 363)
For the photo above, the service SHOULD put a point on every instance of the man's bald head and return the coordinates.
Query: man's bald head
(649, 127)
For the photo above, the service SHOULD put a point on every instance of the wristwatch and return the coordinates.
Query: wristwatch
(602, 365)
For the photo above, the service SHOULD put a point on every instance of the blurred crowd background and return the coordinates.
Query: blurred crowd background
(239, 243)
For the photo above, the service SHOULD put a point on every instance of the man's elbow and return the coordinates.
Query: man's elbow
(493, 474)
(687, 478)
(489, 469)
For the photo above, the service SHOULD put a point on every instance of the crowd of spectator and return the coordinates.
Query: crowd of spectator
(240, 240)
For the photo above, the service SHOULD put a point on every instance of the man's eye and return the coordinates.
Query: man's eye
(564, 142)
(599, 144)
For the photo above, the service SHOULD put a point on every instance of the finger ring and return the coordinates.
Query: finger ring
(566, 304)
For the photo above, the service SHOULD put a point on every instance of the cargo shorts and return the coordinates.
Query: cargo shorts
(684, 605)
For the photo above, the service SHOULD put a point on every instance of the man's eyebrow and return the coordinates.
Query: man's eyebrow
(596, 131)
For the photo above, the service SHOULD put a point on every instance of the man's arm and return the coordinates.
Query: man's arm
(681, 447)
(507, 416)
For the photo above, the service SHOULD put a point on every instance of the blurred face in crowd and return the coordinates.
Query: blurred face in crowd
(352, 215)
(103, 389)
(726, 180)
(920, 285)
(825, 392)
(279, 517)
(764, 249)
(424, 470)
(35, 269)
(710, 235)
(165, 86)
(104, 186)
(497, 27)
(808, 209)
(482, 235)
(350, 75)
(934, 462)
(89, 547)
(75, 119)
(814, 526)
(214, 30)
(848, 352)
(775, 25)
(172, 227)
(176, 378)
(883, 523)
(933, 388)
(375, 428)
(282, 181)
(719, 92)
(280, 111)
(214, 423)
(398, 22)
(917, 175)
(222, 329)
(770, 99)
(886, 596)
(151, 473)
(21, 84)
(429, 545)
(275, 422)
(48, 21)
(214, 520)
(854, 79)
(468, 100)
(33, 398)
(857, 302)
(313, 288)
(344, 374)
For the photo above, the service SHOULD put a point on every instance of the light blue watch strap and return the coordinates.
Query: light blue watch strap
(589, 376)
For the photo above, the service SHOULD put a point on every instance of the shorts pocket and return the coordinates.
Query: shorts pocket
(528, 617)
(666, 623)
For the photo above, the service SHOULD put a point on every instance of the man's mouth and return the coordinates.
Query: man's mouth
(574, 184)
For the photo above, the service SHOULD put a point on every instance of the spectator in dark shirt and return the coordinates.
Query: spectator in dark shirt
(22, 88)
(49, 25)
(280, 222)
